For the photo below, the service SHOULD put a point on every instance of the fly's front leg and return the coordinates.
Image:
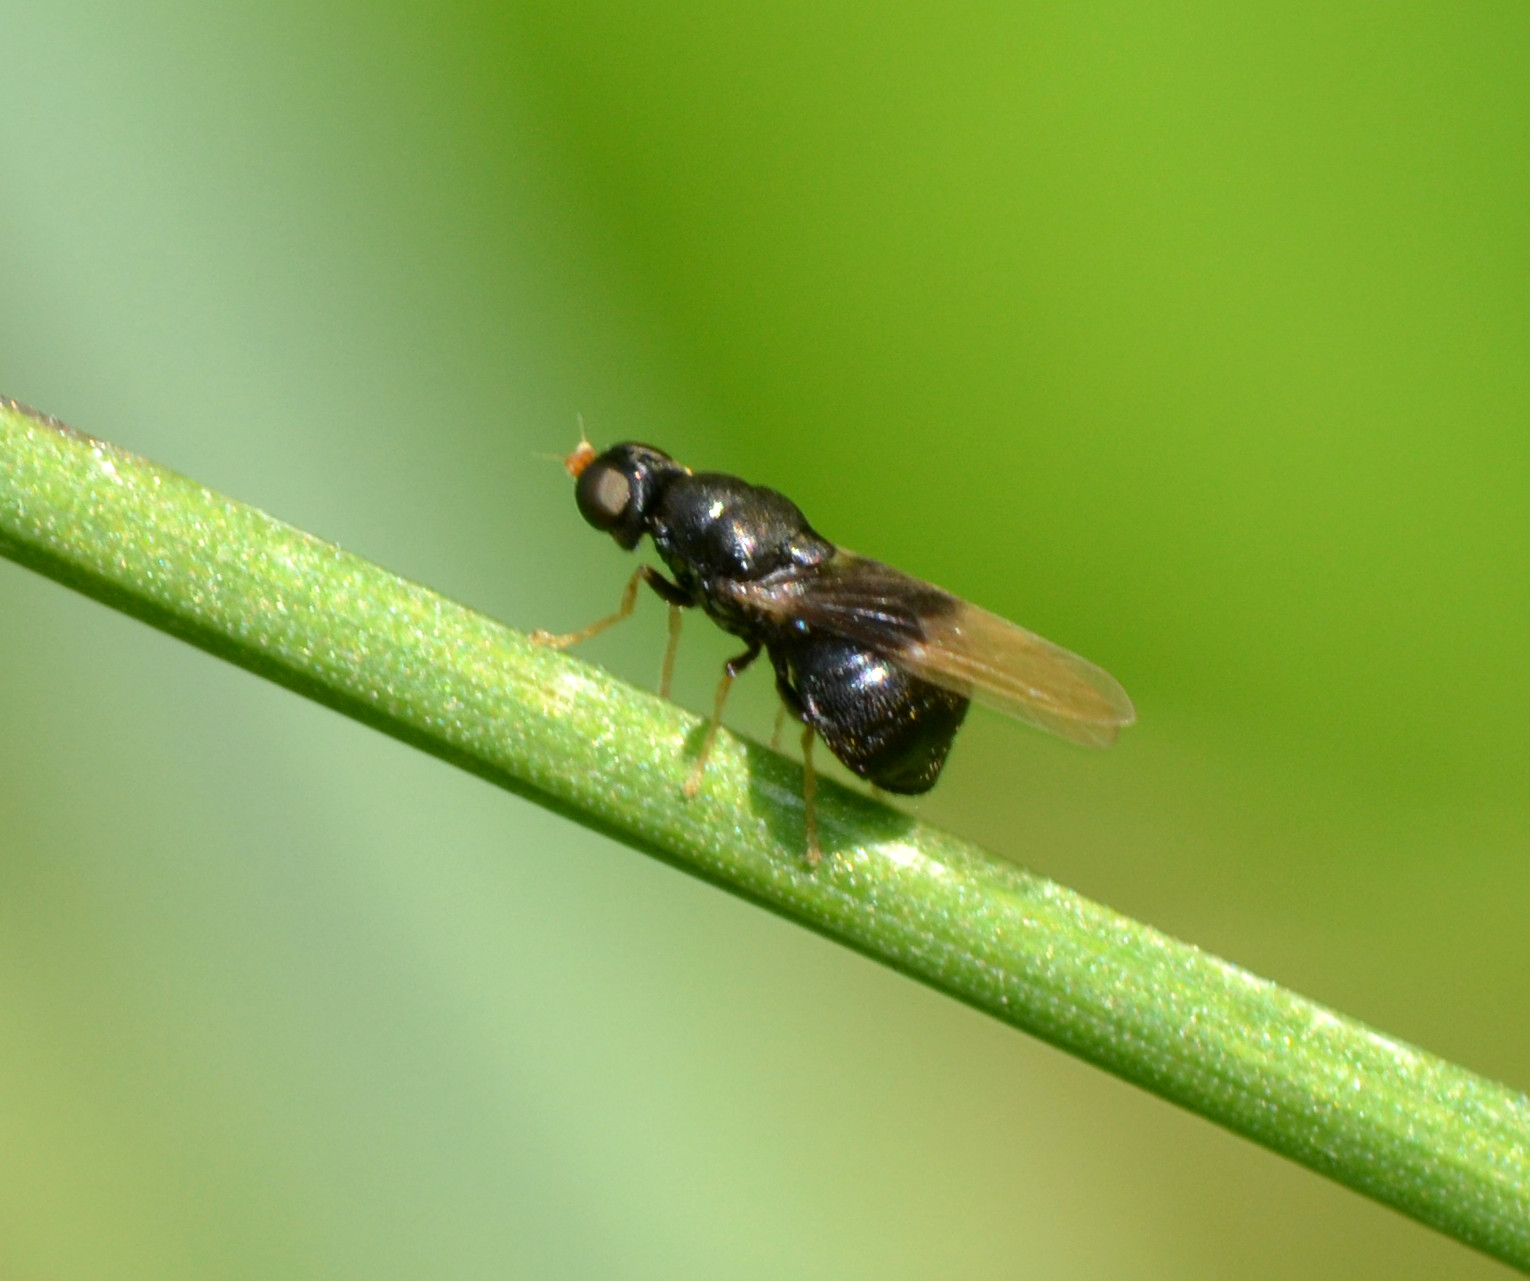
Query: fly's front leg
(643, 574)
(731, 669)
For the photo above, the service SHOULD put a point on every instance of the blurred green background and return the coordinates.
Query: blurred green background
(1196, 338)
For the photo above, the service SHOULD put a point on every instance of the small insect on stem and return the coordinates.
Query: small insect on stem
(878, 664)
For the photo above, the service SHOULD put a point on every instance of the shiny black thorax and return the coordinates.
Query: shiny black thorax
(712, 530)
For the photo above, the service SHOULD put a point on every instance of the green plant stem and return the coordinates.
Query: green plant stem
(1425, 1136)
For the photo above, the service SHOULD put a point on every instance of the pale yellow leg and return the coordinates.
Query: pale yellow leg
(623, 610)
(775, 734)
(667, 674)
(693, 783)
(809, 792)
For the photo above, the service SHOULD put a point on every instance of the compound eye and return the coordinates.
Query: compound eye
(603, 494)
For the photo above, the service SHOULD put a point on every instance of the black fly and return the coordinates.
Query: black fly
(878, 664)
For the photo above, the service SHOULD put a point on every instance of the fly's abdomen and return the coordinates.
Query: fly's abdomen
(888, 727)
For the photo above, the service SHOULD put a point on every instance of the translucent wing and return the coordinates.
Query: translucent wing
(944, 640)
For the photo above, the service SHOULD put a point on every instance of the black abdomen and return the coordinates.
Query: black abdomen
(890, 728)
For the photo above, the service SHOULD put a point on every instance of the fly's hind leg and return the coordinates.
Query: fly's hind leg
(791, 704)
(667, 590)
(809, 794)
(731, 669)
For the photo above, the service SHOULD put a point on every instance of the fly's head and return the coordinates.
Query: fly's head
(616, 490)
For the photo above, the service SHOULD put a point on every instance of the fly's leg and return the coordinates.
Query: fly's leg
(809, 794)
(731, 669)
(667, 673)
(792, 704)
(775, 734)
(643, 574)
(623, 610)
(791, 701)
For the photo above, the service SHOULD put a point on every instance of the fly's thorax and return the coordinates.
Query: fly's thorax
(711, 527)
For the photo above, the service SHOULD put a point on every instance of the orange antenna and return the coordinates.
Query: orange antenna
(575, 462)
(581, 458)
(583, 455)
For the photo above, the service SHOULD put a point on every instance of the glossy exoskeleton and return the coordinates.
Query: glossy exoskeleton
(878, 664)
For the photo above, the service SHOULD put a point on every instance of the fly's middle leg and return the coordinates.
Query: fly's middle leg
(731, 670)
(667, 672)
